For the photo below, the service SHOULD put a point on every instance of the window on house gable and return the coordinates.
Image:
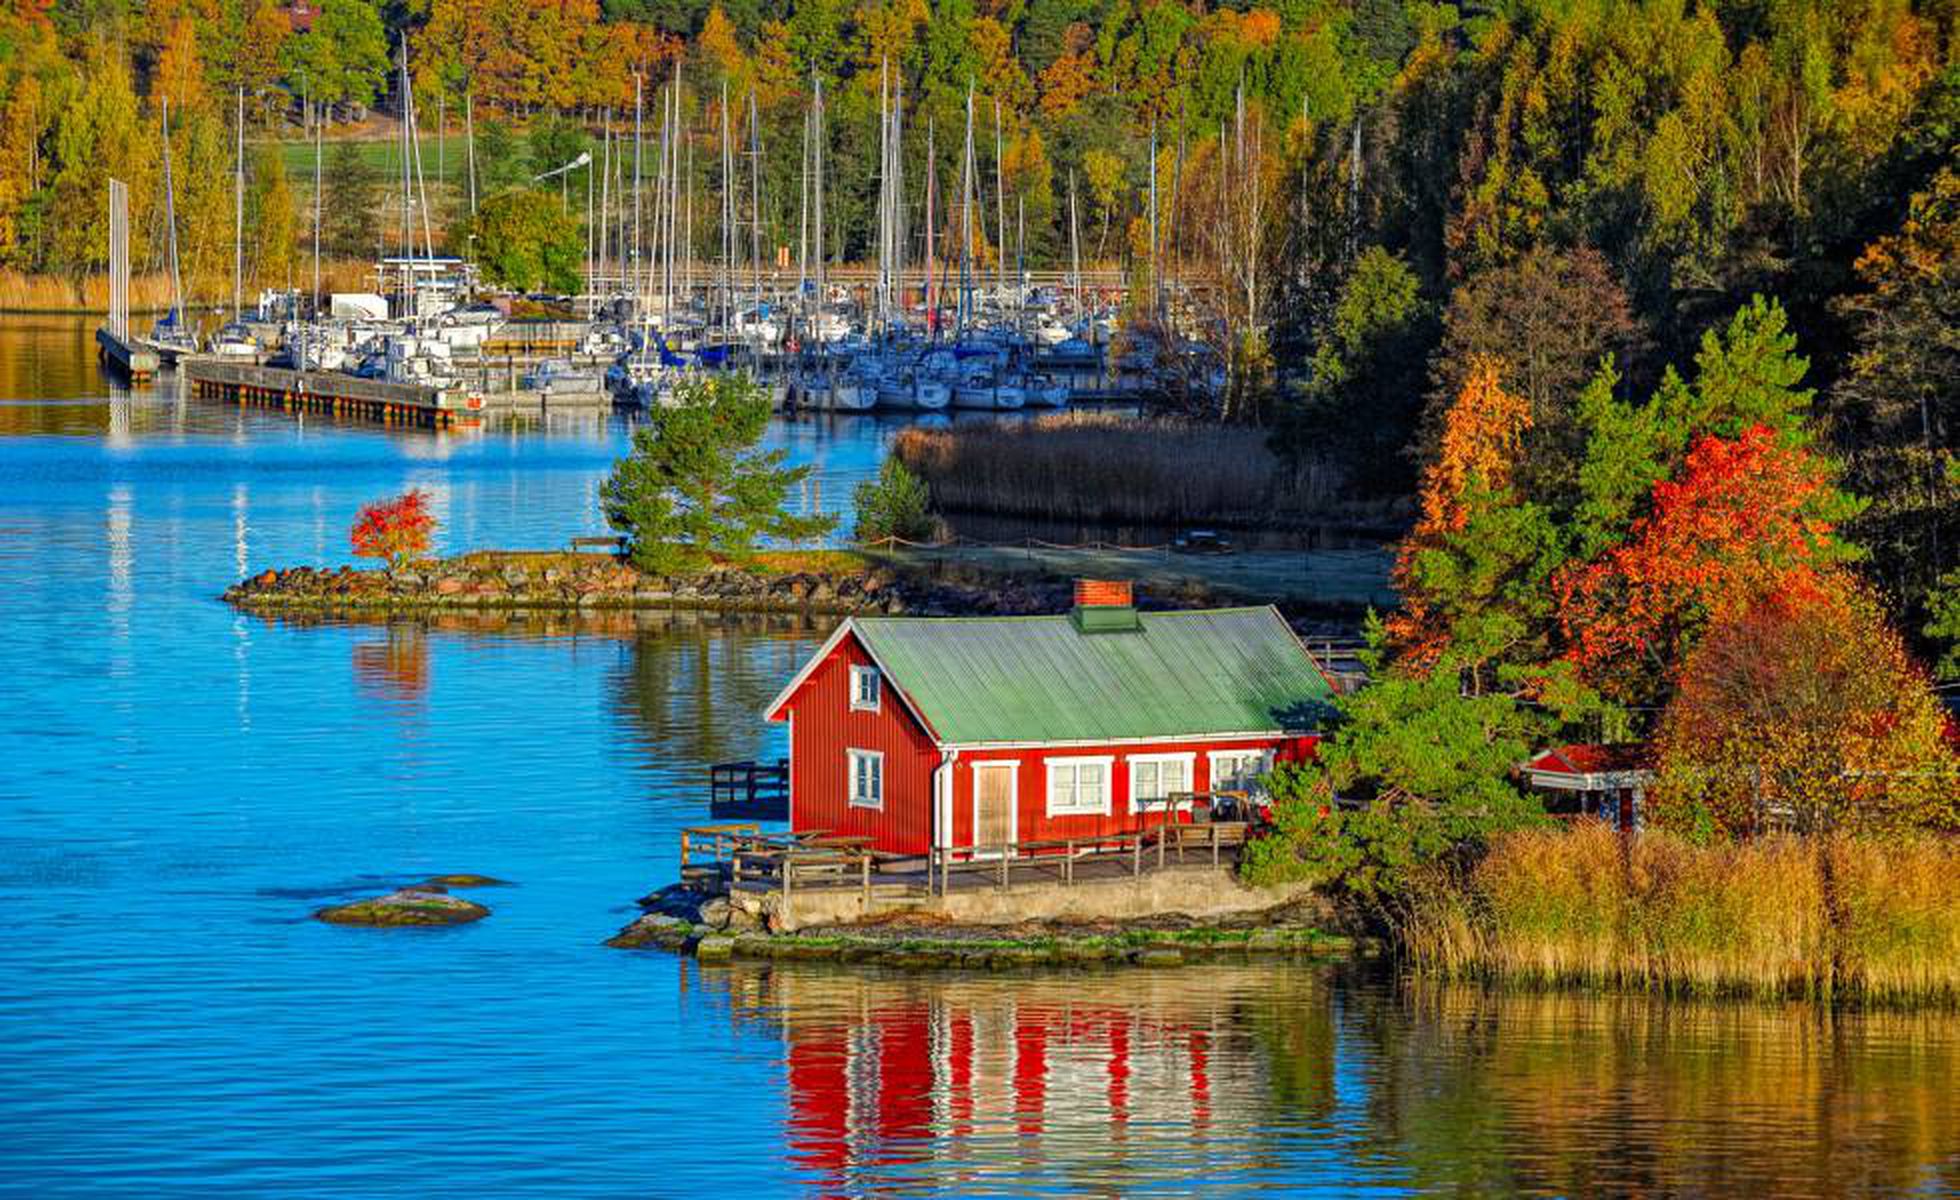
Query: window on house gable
(867, 778)
(865, 688)
(1078, 786)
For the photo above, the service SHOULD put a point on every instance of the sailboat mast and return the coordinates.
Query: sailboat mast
(1074, 246)
(170, 218)
(317, 148)
(1000, 216)
(822, 291)
(727, 215)
(932, 177)
(238, 217)
(882, 289)
(755, 210)
(639, 245)
(1153, 219)
(966, 219)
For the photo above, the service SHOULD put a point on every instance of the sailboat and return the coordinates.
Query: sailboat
(234, 339)
(171, 338)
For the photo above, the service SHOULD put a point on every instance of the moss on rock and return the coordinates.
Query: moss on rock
(408, 906)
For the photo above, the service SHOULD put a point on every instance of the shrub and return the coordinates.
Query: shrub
(394, 530)
(894, 505)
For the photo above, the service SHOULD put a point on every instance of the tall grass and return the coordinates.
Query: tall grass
(1098, 468)
(1779, 916)
(151, 292)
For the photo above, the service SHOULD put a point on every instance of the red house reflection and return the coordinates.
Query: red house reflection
(965, 1079)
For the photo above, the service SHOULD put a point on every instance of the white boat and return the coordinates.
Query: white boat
(988, 392)
(760, 329)
(1045, 391)
(557, 377)
(234, 340)
(912, 389)
(833, 392)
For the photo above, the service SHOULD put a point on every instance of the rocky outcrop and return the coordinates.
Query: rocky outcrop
(598, 582)
(419, 904)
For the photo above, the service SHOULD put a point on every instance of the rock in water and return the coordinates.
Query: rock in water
(410, 906)
(466, 880)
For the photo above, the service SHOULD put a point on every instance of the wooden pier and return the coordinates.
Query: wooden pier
(333, 393)
(135, 361)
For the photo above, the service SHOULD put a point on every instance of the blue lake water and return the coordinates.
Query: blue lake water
(181, 785)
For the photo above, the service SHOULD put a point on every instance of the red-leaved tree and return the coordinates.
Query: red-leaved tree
(1744, 518)
(394, 530)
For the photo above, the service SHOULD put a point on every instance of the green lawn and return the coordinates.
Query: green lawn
(384, 154)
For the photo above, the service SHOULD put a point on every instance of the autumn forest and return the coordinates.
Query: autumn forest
(1643, 312)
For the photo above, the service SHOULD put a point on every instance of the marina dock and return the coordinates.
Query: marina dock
(135, 361)
(331, 392)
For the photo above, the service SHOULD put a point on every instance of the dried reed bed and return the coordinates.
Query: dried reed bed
(1778, 916)
(1098, 468)
(151, 292)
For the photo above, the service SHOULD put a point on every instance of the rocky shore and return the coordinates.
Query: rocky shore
(834, 584)
(709, 928)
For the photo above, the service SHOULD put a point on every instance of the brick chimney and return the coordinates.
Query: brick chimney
(1104, 606)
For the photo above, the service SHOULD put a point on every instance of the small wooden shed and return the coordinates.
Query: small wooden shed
(1606, 780)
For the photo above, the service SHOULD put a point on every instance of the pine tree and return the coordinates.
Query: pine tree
(695, 488)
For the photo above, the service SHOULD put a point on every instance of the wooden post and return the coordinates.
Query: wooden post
(684, 848)
(786, 881)
(864, 866)
(1214, 845)
(1163, 834)
(1136, 856)
(1068, 864)
(1003, 867)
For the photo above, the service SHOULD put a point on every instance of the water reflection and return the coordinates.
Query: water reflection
(681, 690)
(396, 666)
(1097, 1083)
(1631, 1095)
(1226, 1077)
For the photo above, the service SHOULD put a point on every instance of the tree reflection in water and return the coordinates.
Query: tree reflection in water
(695, 685)
(394, 667)
(1279, 1075)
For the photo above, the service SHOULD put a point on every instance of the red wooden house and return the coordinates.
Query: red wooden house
(979, 732)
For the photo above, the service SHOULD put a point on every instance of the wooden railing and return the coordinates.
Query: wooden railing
(1153, 847)
(749, 789)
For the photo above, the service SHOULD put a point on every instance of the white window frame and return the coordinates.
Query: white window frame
(858, 674)
(1212, 758)
(1108, 764)
(852, 757)
(1189, 760)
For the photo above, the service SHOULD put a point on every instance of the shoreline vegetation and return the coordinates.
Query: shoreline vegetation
(23, 294)
(1828, 918)
(1105, 469)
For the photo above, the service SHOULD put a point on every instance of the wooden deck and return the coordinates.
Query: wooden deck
(725, 858)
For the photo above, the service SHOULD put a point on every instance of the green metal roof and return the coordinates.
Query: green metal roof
(1040, 679)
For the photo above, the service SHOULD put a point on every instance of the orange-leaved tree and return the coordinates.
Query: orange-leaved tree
(1802, 708)
(394, 530)
(1744, 517)
(1482, 441)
